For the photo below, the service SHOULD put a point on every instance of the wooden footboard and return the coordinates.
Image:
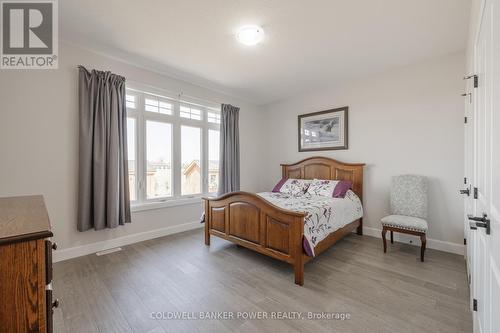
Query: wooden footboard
(250, 221)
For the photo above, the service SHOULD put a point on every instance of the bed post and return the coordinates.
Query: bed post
(207, 224)
(298, 264)
(298, 269)
(359, 230)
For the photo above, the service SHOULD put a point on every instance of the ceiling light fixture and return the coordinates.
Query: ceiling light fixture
(250, 35)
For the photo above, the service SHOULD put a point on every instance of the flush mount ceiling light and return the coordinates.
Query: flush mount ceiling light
(250, 35)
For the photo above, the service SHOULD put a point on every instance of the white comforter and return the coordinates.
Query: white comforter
(324, 215)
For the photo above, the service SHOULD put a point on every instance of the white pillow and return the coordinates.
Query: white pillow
(329, 188)
(294, 186)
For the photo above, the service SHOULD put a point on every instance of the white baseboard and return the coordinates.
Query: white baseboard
(78, 251)
(431, 243)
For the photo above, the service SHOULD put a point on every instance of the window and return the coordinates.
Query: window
(190, 113)
(173, 148)
(213, 117)
(213, 160)
(130, 101)
(191, 160)
(154, 104)
(158, 159)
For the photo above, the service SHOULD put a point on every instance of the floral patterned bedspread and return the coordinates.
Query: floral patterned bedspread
(324, 215)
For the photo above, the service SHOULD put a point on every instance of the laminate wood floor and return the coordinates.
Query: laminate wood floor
(395, 292)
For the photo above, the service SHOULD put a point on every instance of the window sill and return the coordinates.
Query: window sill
(165, 204)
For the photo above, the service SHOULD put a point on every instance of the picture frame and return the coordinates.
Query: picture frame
(323, 130)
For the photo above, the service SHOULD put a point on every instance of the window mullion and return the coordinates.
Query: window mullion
(142, 150)
(205, 163)
(176, 149)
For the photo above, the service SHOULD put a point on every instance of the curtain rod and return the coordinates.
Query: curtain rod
(168, 92)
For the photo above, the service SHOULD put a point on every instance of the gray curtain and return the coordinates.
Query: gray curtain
(229, 171)
(103, 194)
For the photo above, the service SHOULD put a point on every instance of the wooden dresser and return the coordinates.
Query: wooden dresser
(25, 265)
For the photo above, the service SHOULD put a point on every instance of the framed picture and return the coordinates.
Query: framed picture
(324, 130)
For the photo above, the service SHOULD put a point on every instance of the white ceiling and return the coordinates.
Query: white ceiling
(309, 44)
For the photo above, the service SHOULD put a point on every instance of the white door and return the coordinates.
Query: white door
(468, 191)
(484, 255)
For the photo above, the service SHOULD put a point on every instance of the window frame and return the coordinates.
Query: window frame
(136, 162)
(141, 117)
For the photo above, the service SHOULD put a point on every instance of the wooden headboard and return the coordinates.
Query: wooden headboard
(326, 168)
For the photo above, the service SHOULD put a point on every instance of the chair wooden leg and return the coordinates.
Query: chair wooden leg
(422, 249)
(392, 237)
(384, 231)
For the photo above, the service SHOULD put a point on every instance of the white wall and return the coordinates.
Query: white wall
(475, 8)
(408, 120)
(39, 143)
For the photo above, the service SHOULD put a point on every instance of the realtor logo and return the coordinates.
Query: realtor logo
(29, 34)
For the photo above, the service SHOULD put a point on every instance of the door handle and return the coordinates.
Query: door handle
(480, 222)
(467, 191)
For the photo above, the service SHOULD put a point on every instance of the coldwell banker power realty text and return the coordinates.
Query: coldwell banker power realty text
(29, 37)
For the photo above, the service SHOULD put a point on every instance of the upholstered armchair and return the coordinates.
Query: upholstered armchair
(408, 209)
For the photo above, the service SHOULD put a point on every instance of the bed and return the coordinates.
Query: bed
(272, 225)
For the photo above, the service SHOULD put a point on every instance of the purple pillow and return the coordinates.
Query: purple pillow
(341, 188)
(278, 186)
